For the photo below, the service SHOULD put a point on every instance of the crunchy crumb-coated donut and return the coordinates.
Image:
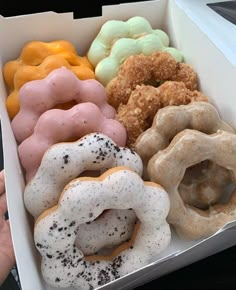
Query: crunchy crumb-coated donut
(84, 199)
(144, 102)
(57, 125)
(59, 87)
(143, 69)
(167, 167)
(63, 162)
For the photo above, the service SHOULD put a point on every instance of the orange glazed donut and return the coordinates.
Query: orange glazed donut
(167, 167)
(57, 125)
(84, 199)
(35, 52)
(59, 87)
(27, 73)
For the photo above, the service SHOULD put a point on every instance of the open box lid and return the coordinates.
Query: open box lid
(220, 31)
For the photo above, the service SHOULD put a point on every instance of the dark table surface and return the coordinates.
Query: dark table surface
(215, 272)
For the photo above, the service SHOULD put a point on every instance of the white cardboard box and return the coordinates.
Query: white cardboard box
(208, 42)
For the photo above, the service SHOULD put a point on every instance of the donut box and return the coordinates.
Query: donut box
(191, 27)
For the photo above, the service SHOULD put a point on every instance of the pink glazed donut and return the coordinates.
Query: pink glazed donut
(57, 125)
(59, 87)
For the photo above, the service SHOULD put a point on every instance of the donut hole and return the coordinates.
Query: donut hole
(102, 236)
(90, 173)
(205, 184)
(153, 83)
(66, 106)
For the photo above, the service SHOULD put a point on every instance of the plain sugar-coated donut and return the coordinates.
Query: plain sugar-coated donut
(167, 167)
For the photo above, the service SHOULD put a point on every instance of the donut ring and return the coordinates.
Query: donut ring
(34, 53)
(168, 166)
(57, 125)
(144, 102)
(63, 162)
(201, 116)
(112, 30)
(64, 265)
(145, 69)
(108, 68)
(60, 86)
(27, 73)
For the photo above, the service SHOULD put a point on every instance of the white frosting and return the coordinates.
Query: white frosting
(83, 200)
(63, 162)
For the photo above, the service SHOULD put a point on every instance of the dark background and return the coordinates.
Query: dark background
(215, 272)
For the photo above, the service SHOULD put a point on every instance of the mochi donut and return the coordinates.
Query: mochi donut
(167, 167)
(27, 73)
(57, 125)
(112, 30)
(201, 116)
(60, 86)
(118, 40)
(108, 68)
(33, 53)
(64, 161)
(145, 101)
(153, 69)
(84, 199)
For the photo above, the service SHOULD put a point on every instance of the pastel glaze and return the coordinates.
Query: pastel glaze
(108, 67)
(117, 40)
(58, 125)
(33, 53)
(27, 73)
(59, 87)
(112, 30)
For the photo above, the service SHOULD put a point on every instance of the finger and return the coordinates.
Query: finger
(2, 182)
(3, 204)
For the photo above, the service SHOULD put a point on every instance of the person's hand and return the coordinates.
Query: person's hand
(7, 257)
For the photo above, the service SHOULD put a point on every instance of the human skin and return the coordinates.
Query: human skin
(7, 257)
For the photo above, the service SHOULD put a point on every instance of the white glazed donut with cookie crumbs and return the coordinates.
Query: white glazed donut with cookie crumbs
(83, 200)
(63, 162)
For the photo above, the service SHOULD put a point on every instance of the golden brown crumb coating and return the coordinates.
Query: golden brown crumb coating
(144, 102)
(149, 70)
